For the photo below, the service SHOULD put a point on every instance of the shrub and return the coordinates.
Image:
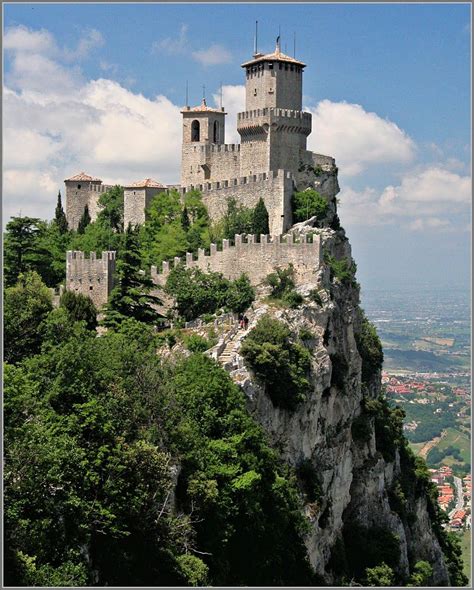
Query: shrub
(380, 575)
(283, 287)
(361, 429)
(422, 572)
(200, 294)
(308, 203)
(292, 299)
(79, 308)
(343, 270)
(279, 364)
(370, 349)
(196, 343)
(306, 334)
(315, 295)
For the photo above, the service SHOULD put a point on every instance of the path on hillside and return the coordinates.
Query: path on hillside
(429, 445)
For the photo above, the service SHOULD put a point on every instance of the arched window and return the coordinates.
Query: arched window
(216, 132)
(195, 131)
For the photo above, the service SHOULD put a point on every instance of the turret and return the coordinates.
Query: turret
(203, 127)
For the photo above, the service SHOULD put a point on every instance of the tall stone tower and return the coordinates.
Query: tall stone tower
(203, 130)
(273, 128)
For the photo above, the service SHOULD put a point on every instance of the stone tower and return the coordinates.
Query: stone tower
(203, 130)
(78, 194)
(273, 128)
(137, 197)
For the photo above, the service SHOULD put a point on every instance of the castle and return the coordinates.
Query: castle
(271, 162)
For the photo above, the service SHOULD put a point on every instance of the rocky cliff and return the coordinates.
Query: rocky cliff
(371, 492)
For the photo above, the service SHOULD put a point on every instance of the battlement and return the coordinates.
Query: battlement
(92, 276)
(215, 148)
(243, 180)
(273, 111)
(100, 188)
(257, 259)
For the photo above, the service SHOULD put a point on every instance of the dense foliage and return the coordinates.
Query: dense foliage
(308, 203)
(198, 293)
(280, 364)
(89, 487)
(131, 298)
(370, 350)
(239, 219)
(283, 287)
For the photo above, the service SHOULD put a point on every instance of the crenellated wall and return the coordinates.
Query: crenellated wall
(93, 277)
(275, 188)
(256, 259)
(209, 162)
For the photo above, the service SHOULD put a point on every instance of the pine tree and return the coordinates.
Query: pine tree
(260, 219)
(130, 298)
(60, 216)
(185, 223)
(84, 221)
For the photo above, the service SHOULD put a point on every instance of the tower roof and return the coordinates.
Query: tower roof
(277, 55)
(146, 183)
(202, 108)
(84, 177)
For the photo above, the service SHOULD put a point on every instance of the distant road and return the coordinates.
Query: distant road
(460, 498)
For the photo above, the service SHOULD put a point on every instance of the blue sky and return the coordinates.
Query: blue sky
(388, 87)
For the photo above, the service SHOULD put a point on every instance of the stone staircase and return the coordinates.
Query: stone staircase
(226, 356)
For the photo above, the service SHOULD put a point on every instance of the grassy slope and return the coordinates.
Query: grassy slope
(466, 552)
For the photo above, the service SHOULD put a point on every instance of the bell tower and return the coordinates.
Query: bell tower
(203, 128)
(273, 128)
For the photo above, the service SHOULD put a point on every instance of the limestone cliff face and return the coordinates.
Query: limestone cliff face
(355, 479)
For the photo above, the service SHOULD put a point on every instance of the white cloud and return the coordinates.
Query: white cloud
(212, 56)
(425, 199)
(356, 138)
(90, 39)
(21, 39)
(233, 100)
(172, 45)
(57, 123)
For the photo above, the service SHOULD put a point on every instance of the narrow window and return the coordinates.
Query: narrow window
(78, 186)
(216, 132)
(255, 92)
(270, 66)
(195, 131)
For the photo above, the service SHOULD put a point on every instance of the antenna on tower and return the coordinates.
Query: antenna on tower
(221, 95)
(294, 44)
(187, 97)
(256, 38)
(203, 92)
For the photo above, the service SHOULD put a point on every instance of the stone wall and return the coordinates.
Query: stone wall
(275, 188)
(219, 161)
(255, 259)
(136, 201)
(93, 277)
(273, 84)
(78, 195)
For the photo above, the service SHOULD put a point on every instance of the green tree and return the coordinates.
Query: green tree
(185, 223)
(279, 363)
(111, 209)
(22, 250)
(370, 349)
(240, 294)
(260, 219)
(84, 221)
(237, 220)
(60, 216)
(26, 306)
(79, 308)
(131, 298)
(421, 574)
(380, 575)
(196, 292)
(308, 203)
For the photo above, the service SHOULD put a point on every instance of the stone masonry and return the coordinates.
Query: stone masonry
(256, 259)
(91, 276)
(270, 162)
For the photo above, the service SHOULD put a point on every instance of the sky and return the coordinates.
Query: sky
(99, 88)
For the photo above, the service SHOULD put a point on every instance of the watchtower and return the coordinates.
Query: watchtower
(203, 128)
(79, 189)
(273, 128)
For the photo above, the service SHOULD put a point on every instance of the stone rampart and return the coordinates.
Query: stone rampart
(93, 276)
(275, 188)
(256, 259)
